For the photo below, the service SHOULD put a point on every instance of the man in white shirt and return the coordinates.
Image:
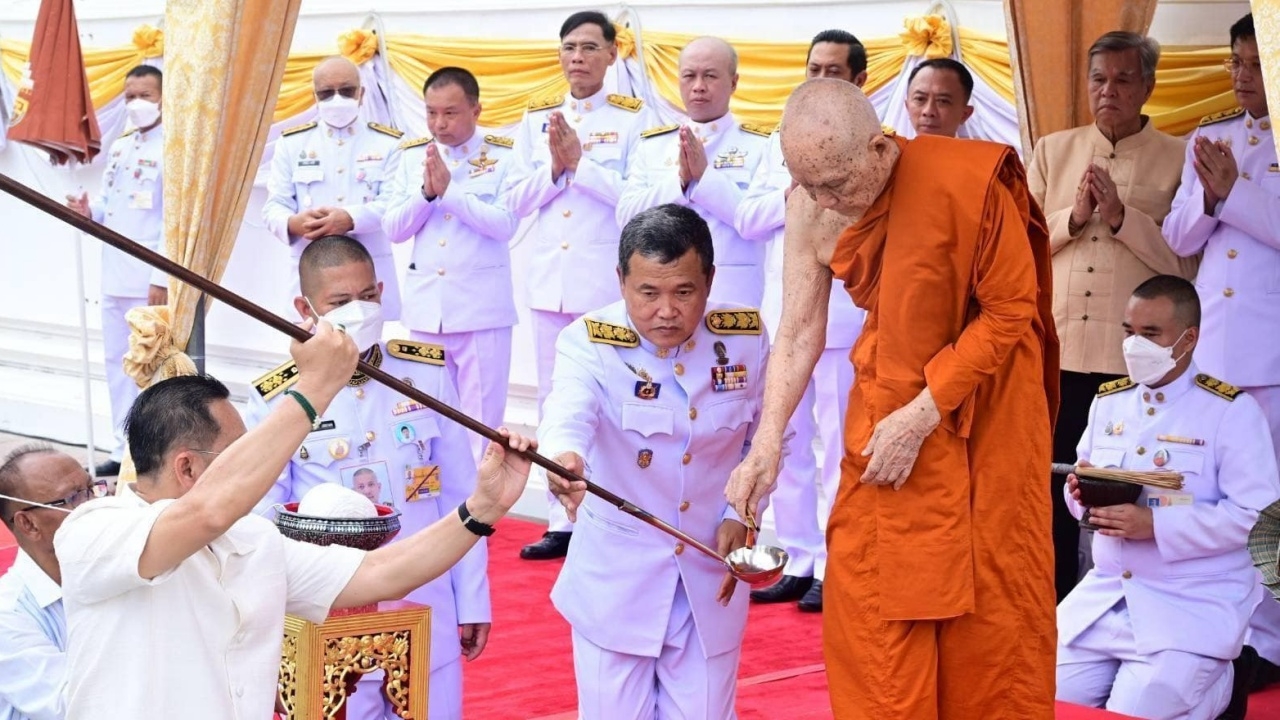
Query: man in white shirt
(131, 202)
(39, 486)
(179, 585)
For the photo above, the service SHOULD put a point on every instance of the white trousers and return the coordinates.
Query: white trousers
(546, 328)
(797, 510)
(1102, 668)
(444, 696)
(479, 364)
(115, 345)
(680, 684)
(1264, 629)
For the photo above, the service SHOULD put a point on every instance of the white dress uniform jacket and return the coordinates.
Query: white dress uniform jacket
(314, 166)
(368, 425)
(1193, 587)
(131, 202)
(460, 277)
(574, 234)
(1239, 279)
(733, 152)
(670, 454)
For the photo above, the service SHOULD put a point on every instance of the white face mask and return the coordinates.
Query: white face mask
(359, 319)
(142, 113)
(339, 111)
(1146, 361)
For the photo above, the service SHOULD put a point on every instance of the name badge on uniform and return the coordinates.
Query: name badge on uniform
(728, 377)
(422, 482)
(733, 158)
(141, 200)
(308, 163)
(1170, 499)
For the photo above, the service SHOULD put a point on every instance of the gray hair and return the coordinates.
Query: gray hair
(1120, 41)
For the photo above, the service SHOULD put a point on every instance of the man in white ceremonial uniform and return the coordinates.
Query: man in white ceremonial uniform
(660, 393)
(327, 176)
(446, 195)
(572, 155)
(422, 461)
(38, 487)
(1228, 211)
(131, 202)
(760, 215)
(707, 165)
(1152, 629)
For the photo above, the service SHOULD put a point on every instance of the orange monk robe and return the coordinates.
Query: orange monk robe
(940, 596)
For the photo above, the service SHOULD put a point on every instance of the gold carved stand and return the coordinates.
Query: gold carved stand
(320, 664)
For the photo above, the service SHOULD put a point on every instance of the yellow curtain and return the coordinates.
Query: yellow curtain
(1266, 20)
(228, 67)
(1190, 83)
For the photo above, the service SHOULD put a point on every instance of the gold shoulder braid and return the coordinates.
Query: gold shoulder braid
(1221, 116)
(1115, 386)
(626, 102)
(374, 359)
(415, 143)
(609, 334)
(276, 381)
(297, 129)
(757, 129)
(500, 141)
(379, 127)
(655, 132)
(733, 322)
(416, 351)
(545, 103)
(1223, 390)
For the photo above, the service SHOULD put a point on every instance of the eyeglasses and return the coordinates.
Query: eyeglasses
(587, 49)
(1235, 65)
(346, 91)
(70, 502)
(214, 453)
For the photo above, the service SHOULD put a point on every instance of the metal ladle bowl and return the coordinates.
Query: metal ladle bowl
(759, 566)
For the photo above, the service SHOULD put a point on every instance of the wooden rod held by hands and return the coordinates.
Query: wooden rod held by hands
(86, 225)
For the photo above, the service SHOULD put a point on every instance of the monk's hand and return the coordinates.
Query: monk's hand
(730, 536)
(1085, 203)
(1131, 522)
(569, 492)
(752, 480)
(895, 442)
(1107, 197)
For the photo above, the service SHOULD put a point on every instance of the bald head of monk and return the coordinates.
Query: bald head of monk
(834, 146)
(336, 81)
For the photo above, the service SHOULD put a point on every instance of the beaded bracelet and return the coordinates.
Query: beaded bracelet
(307, 407)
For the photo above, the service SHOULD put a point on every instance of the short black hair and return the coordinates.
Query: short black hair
(593, 17)
(1243, 30)
(170, 413)
(329, 251)
(11, 481)
(665, 233)
(1186, 302)
(454, 76)
(143, 71)
(857, 51)
(955, 66)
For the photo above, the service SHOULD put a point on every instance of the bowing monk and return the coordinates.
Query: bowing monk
(940, 595)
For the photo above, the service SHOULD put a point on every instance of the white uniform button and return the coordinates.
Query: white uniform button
(1228, 292)
(1232, 254)
(684, 506)
(567, 213)
(679, 548)
(686, 459)
(440, 271)
(564, 246)
(1126, 575)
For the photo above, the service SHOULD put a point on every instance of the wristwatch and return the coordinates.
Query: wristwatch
(472, 524)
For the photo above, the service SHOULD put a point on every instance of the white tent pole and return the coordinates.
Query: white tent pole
(90, 445)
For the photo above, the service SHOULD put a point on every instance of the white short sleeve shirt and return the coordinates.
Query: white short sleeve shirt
(200, 642)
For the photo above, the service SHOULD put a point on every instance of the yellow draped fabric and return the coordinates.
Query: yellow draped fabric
(233, 57)
(1266, 20)
(1190, 83)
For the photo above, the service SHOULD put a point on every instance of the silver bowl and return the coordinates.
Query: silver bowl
(360, 533)
(759, 566)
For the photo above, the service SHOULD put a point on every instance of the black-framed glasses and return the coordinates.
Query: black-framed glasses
(70, 502)
(346, 91)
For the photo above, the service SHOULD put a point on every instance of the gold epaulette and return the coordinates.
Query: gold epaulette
(888, 130)
(1223, 390)
(297, 129)
(626, 102)
(609, 334)
(545, 103)
(1115, 386)
(758, 129)
(500, 141)
(128, 132)
(276, 381)
(655, 132)
(378, 127)
(1220, 116)
(415, 142)
(733, 322)
(416, 351)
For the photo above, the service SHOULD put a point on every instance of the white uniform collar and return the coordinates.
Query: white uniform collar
(461, 150)
(589, 103)
(708, 131)
(1170, 392)
(664, 353)
(42, 587)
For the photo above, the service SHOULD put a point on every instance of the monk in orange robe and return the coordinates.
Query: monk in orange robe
(939, 600)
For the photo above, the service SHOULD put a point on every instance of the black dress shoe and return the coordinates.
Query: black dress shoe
(812, 600)
(1245, 667)
(788, 589)
(552, 545)
(1266, 674)
(110, 468)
